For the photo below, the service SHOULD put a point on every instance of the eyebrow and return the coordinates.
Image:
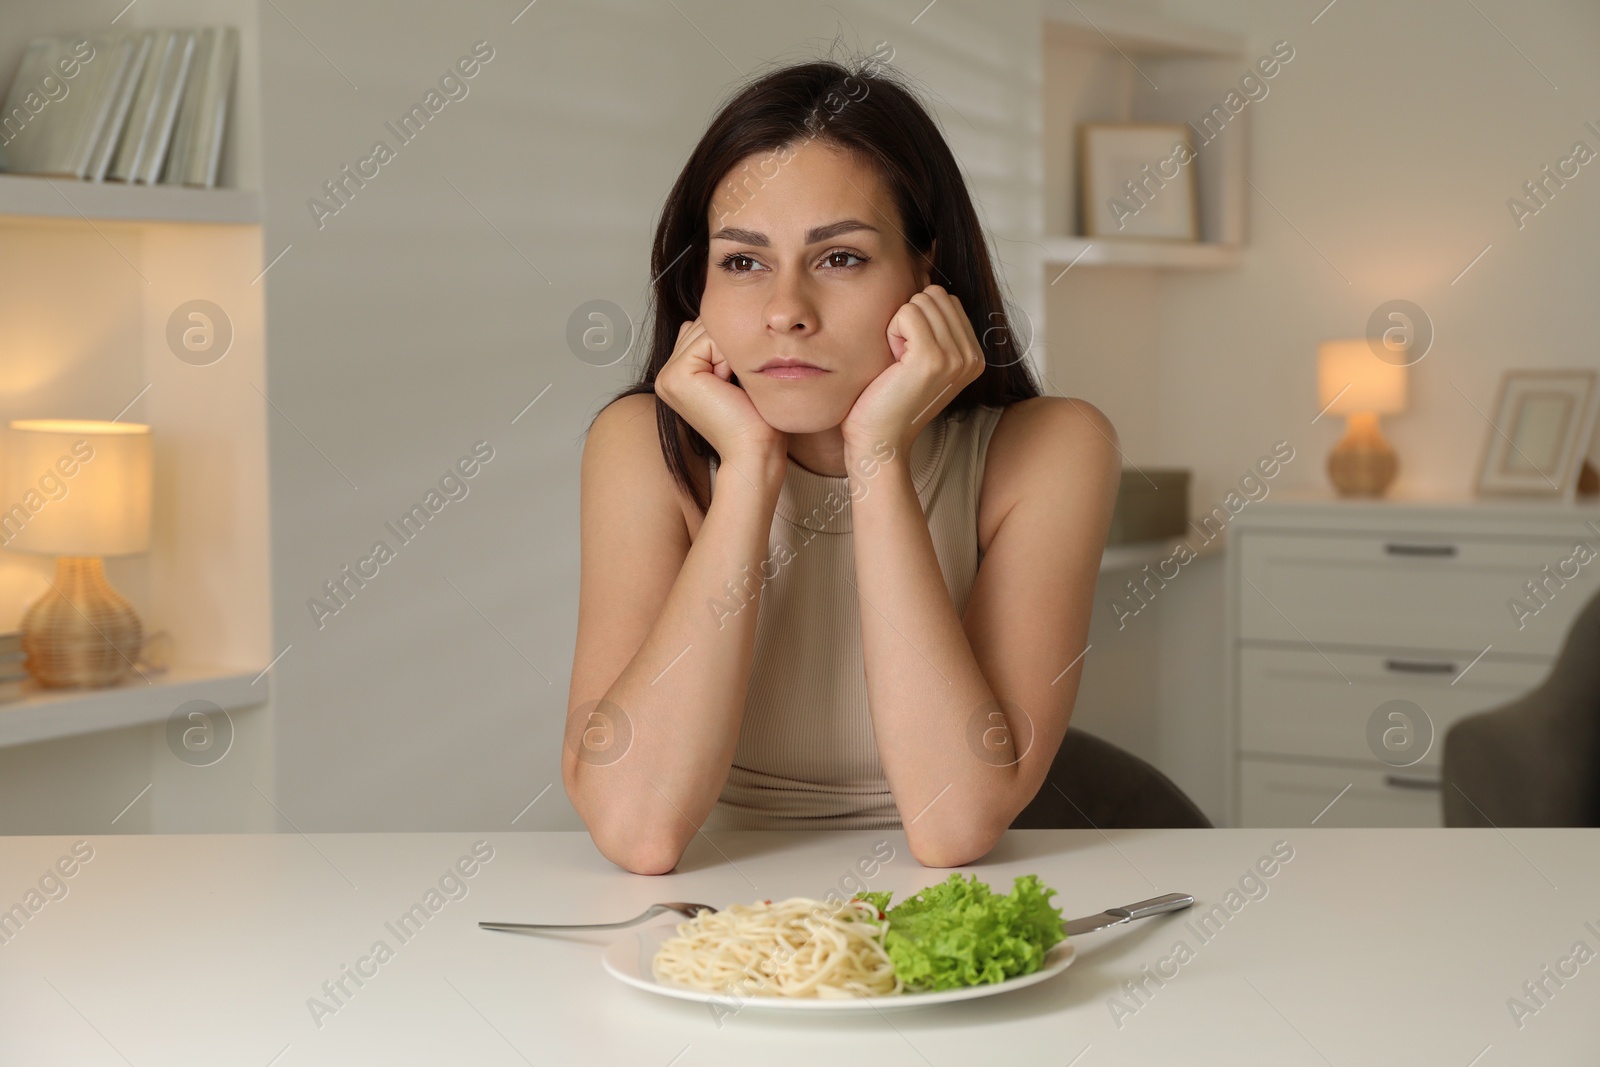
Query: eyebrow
(815, 234)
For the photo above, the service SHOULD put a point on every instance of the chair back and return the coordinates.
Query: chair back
(1534, 761)
(1093, 784)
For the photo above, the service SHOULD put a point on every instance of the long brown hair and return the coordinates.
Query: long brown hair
(867, 110)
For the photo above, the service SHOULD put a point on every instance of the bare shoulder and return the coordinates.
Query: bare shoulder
(624, 448)
(1059, 447)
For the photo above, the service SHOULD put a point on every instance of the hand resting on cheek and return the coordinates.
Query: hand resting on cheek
(695, 383)
(936, 355)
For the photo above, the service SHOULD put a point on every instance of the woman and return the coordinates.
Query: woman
(783, 619)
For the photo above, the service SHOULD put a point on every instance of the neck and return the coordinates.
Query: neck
(820, 453)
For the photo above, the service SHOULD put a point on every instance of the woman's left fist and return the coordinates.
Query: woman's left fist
(936, 355)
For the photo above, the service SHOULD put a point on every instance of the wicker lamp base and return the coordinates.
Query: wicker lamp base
(81, 632)
(1362, 463)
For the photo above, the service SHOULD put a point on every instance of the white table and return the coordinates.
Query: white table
(1369, 947)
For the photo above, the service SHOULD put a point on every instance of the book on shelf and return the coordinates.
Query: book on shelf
(137, 134)
(145, 106)
(53, 118)
(197, 137)
(164, 116)
(136, 48)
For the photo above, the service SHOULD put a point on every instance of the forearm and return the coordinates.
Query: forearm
(928, 697)
(676, 709)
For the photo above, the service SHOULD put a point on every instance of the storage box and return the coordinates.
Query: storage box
(1150, 512)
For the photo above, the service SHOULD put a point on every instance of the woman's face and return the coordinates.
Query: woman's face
(807, 265)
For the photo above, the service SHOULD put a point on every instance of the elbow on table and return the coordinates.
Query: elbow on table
(637, 850)
(951, 849)
(636, 844)
(646, 861)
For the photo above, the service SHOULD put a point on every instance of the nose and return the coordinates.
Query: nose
(791, 310)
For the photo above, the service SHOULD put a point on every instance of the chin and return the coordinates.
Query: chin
(790, 411)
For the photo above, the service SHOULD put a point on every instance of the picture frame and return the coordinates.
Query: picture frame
(1136, 181)
(1541, 428)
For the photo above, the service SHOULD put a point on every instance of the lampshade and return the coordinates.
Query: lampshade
(1373, 385)
(76, 487)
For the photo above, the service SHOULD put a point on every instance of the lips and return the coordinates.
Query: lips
(786, 364)
(791, 371)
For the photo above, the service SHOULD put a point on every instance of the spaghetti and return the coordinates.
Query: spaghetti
(799, 947)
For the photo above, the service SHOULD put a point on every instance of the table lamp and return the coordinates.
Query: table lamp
(80, 491)
(1355, 383)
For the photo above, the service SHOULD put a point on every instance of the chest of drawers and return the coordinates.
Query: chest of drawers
(1338, 608)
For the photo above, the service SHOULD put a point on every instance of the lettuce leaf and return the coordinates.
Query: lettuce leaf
(959, 933)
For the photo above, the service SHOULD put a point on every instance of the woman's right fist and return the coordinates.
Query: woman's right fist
(695, 382)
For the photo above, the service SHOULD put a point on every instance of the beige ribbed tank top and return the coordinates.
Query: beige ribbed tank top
(807, 758)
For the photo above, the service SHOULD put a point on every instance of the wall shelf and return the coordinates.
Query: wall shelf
(45, 714)
(1061, 252)
(100, 284)
(1109, 64)
(32, 196)
(1148, 32)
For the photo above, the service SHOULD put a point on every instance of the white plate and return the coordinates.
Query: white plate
(628, 959)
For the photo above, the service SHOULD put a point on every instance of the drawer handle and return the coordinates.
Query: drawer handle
(1414, 666)
(1398, 548)
(1400, 781)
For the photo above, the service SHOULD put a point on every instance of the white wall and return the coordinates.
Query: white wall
(1391, 142)
(411, 326)
(432, 308)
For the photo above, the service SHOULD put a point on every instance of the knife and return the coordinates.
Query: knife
(1129, 912)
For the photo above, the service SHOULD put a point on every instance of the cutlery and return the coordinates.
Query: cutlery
(1086, 925)
(684, 909)
(1129, 912)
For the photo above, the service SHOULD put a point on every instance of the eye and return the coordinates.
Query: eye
(849, 255)
(728, 261)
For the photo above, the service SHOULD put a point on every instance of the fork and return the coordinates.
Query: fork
(682, 908)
